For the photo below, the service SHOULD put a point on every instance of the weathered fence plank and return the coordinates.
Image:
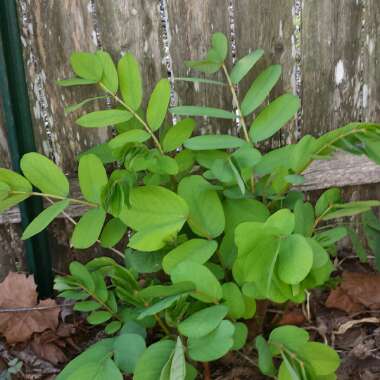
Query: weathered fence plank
(51, 31)
(331, 64)
(371, 86)
(268, 25)
(190, 26)
(11, 246)
(135, 26)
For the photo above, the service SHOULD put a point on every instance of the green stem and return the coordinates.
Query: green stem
(162, 324)
(136, 115)
(237, 104)
(56, 197)
(104, 305)
(241, 118)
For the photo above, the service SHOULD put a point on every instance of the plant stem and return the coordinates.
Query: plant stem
(56, 197)
(206, 371)
(241, 118)
(237, 104)
(136, 115)
(70, 219)
(161, 324)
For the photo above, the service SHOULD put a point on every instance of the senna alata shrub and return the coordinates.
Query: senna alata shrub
(212, 223)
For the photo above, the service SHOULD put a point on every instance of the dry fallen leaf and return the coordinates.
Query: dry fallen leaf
(356, 292)
(18, 291)
(292, 317)
(48, 346)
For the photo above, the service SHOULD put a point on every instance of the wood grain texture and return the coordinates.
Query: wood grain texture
(268, 25)
(134, 26)
(371, 52)
(50, 32)
(11, 246)
(331, 64)
(191, 24)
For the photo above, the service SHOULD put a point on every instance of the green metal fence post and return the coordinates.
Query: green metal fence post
(18, 122)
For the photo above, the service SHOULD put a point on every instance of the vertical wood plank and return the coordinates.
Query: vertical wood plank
(50, 32)
(191, 24)
(371, 51)
(11, 246)
(268, 25)
(331, 64)
(135, 26)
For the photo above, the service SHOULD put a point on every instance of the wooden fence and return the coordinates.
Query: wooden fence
(329, 49)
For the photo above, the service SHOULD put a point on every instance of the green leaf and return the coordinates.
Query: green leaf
(112, 233)
(156, 356)
(260, 89)
(330, 237)
(44, 174)
(334, 214)
(234, 300)
(87, 65)
(100, 286)
(109, 79)
(238, 211)
(206, 217)
(207, 287)
(207, 66)
(98, 317)
(203, 322)
(292, 337)
(104, 370)
(144, 262)
(130, 81)
(86, 306)
(159, 306)
(92, 177)
(208, 142)
(220, 44)
(240, 335)
(155, 291)
(304, 218)
(158, 104)
(157, 214)
(112, 327)
(214, 345)
(41, 221)
(320, 256)
(246, 156)
(82, 275)
(322, 358)
(295, 259)
(326, 200)
(265, 356)
(199, 80)
(178, 365)
(96, 353)
(128, 348)
(283, 221)
(177, 135)
(75, 107)
(273, 117)
(75, 82)
(291, 371)
(244, 65)
(202, 111)
(102, 151)
(132, 136)
(88, 229)
(99, 119)
(197, 250)
(4, 190)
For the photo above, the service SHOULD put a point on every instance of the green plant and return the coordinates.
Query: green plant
(213, 224)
